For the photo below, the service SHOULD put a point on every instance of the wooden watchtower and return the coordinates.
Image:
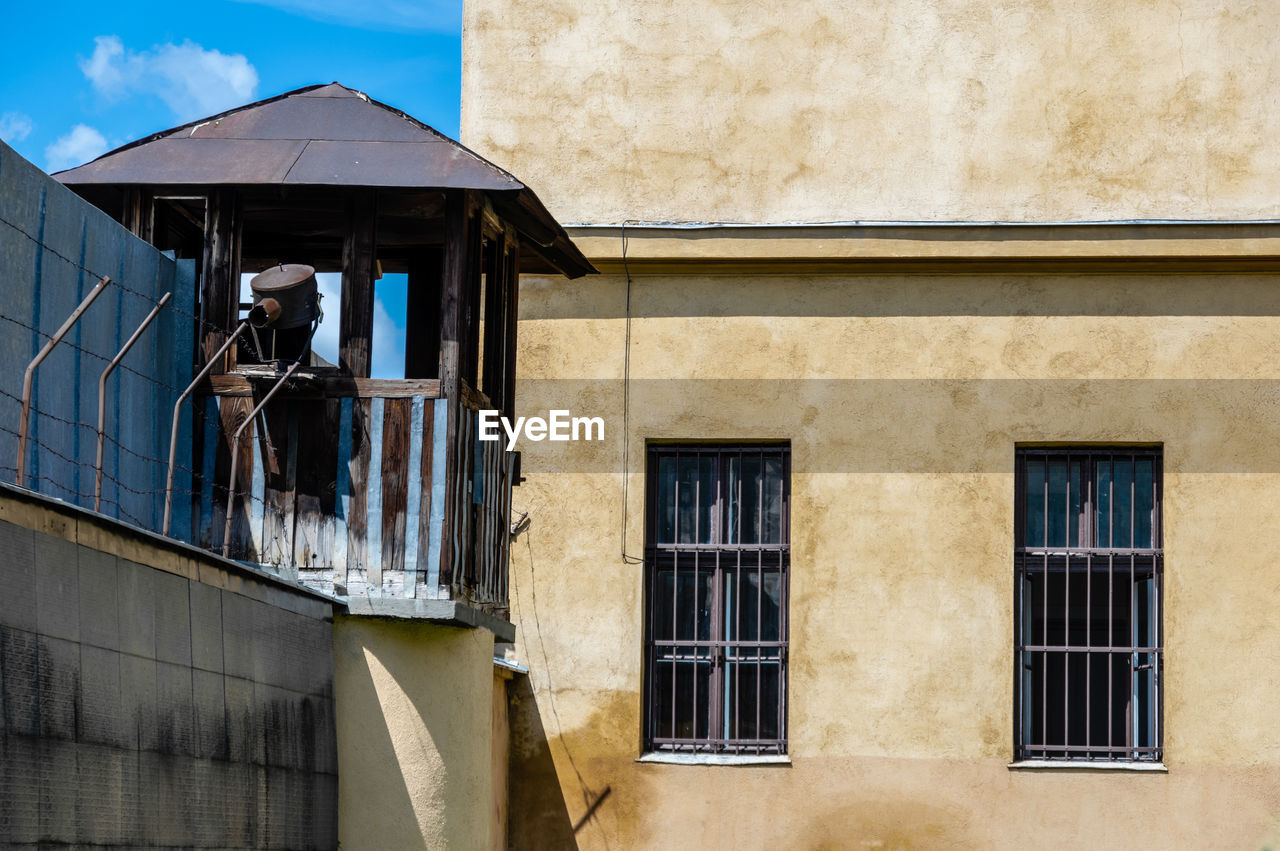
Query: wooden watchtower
(358, 486)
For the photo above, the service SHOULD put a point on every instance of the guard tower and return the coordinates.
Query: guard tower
(354, 485)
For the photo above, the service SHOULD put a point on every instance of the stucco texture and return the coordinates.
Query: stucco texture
(903, 399)
(415, 735)
(728, 110)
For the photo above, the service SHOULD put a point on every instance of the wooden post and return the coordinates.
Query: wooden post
(512, 322)
(220, 271)
(355, 327)
(396, 435)
(358, 554)
(422, 314)
(454, 330)
(494, 320)
(455, 274)
(139, 213)
(219, 305)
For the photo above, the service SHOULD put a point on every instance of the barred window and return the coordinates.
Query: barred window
(716, 563)
(1089, 639)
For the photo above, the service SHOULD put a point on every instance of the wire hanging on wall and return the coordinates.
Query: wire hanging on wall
(626, 406)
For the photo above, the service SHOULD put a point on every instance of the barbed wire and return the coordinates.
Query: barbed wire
(205, 324)
(106, 498)
(92, 354)
(93, 428)
(245, 494)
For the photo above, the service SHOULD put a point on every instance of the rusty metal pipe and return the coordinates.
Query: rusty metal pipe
(177, 406)
(264, 313)
(29, 375)
(235, 451)
(102, 395)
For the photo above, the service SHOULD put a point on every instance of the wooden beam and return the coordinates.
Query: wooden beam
(453, 288)
(422, 314)
(309, 386)
(358, 555)
(139, 213)
(461, 234)
(474, 399)
(220, 271)
(355, 327)
(494, 338)
(395, 483)
(508, 401)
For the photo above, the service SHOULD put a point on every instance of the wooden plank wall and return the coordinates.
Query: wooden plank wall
(479, 523)
(356, 514)
(53, 248)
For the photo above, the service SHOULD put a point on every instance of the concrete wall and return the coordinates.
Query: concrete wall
(54, 247)
(415, 734)
(153, 696)
(903, 398)
(728, 110)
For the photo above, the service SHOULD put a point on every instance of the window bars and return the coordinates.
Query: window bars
(717, 557)
(1088, 563)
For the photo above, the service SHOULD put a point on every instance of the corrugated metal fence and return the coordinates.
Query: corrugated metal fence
(54, 247)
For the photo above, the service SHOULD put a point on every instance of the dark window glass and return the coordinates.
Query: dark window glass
(1088, 641)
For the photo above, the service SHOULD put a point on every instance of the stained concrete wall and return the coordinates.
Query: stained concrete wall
(728, 110)
(415, 734)
(154, 696)
(903, 398)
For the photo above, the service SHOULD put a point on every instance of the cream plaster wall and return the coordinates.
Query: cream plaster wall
(737, 110)
(903, 399)
(415, 735)
(499, 759)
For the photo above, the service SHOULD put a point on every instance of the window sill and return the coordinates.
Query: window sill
(715, 759)
(1085, 765)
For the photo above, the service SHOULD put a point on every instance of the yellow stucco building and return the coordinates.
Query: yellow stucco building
(936, 348)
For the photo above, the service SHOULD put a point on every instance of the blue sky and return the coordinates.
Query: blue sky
(78, 78)
(123, 70)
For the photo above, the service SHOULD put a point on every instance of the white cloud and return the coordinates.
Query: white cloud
(388, 344)
(325, 342)
(388, 336)
(79, 146)
(15, 126)
(444, 16)
(192, 81)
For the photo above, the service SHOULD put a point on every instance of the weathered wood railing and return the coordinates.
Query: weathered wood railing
(346, 489)
(480, 524)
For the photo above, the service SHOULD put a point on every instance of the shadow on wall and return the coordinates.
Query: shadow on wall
(993, 295)
(539, 815)
(358, 697)
(414, 734)
(922, 425)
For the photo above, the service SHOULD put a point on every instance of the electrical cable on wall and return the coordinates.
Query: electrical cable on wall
(626, 406)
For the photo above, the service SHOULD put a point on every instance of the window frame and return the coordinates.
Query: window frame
(727, 559)
(1080, 558)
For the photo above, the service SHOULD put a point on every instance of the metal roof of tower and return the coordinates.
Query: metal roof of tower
(324, 135)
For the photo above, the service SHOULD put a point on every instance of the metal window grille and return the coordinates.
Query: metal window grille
(1088, 563)
(717, 557)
